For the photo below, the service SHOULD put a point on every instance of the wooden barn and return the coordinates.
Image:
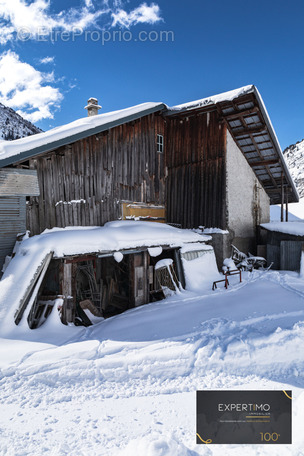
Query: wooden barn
(215, 163)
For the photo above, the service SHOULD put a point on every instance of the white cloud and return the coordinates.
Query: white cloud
(47, 59)
(35, 16)
(21, 85)
(24, 88)
(140, 15)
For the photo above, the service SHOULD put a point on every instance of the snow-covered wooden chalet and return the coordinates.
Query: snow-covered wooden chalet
(215, 162)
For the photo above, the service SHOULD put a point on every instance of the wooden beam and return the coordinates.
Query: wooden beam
(266, 148)
(68, 308)
(33, 288)
(273, 190)
(239, 114)
(80, 258)
(249, 131)
(265, 162)
(267, 169)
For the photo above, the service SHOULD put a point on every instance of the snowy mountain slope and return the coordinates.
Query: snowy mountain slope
(294, 156)
(13, 126)
(126, 386)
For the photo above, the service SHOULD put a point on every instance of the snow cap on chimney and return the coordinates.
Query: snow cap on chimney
(92, 107)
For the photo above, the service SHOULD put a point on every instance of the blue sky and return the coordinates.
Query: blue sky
(56, 54)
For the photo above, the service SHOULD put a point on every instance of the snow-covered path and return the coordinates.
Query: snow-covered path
(127, 385)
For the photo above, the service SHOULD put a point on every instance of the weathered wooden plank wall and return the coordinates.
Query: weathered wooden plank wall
(98, 172)
(195, 160)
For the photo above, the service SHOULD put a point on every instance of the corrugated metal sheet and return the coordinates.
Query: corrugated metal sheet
(290, 255)
(15, 182)
(12, 222)
(194, 254)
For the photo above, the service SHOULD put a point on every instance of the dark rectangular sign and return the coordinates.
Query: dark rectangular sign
(260, 417)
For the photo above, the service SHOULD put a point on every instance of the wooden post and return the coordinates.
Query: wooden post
(282, 199)
(68, 311)
(226, 281)
(286, 206)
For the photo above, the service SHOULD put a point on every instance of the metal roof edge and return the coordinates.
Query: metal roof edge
(19, 171)
(76, 137)
(275, 141)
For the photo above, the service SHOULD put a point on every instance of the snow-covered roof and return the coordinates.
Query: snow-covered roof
(243, 110)
(225, 96)
(293, 228)
(21, 149)
(112, 237)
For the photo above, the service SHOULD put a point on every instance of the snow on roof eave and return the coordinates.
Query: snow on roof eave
(293, 228)
(136, 248)
(22, 149)
(213, 100)
(276, 143)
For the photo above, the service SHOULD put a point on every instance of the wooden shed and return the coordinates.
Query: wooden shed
(284, 243)
(105, 270)
(15, 185)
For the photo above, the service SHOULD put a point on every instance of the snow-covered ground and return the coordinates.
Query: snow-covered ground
(127, 386)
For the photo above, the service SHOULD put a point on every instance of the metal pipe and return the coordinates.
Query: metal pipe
(282, 198)
(286, 206)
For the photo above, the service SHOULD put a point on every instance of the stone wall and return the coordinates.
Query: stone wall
(247, 201)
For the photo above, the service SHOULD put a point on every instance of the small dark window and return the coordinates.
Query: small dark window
(160, 144)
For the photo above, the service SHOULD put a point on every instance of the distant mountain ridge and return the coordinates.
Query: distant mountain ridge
(294, 156)
(13, 126)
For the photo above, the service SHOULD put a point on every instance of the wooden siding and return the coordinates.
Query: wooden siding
(84, 183)
(196, 168)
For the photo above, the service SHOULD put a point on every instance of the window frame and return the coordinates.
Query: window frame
(159, 143)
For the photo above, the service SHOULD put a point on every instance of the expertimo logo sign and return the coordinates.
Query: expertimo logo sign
(102, 36)
(243, 407)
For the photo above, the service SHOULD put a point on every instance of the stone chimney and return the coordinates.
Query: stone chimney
(92, 107)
